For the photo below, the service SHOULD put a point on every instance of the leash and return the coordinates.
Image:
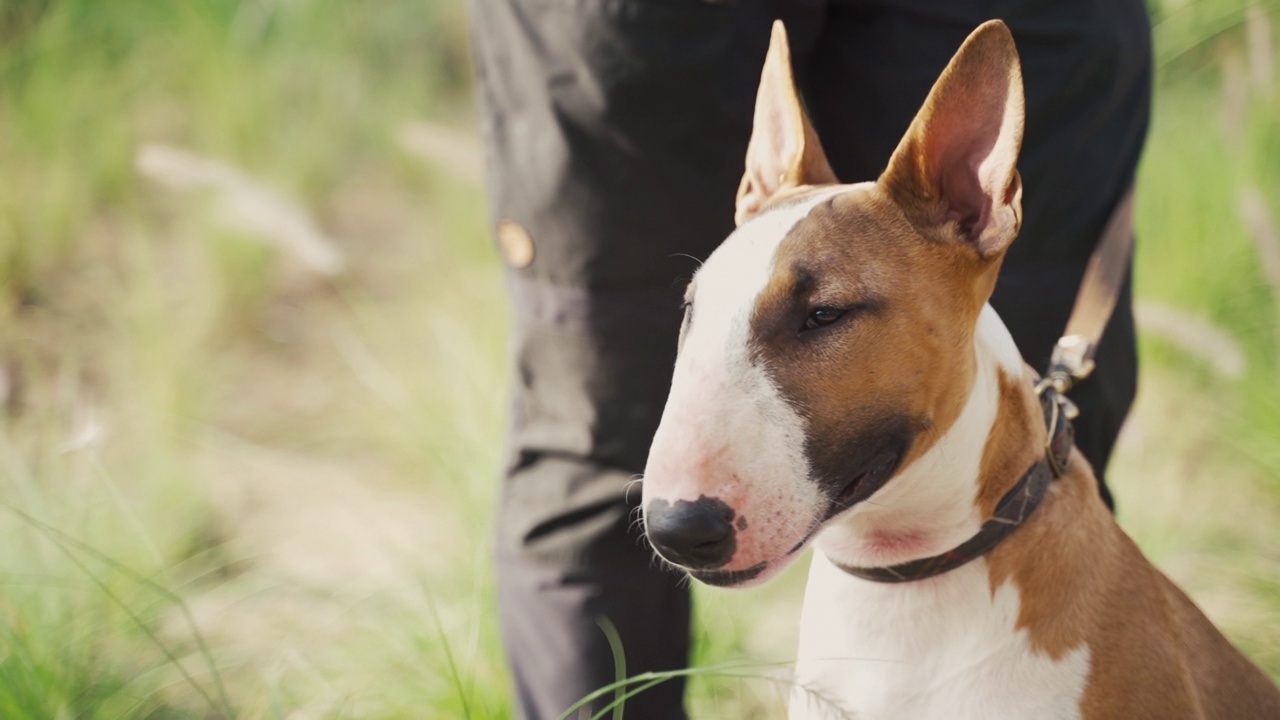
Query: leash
(1071, 362)
(1072, 359)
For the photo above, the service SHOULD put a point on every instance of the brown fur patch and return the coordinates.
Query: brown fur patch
(1082, 582)
(898, 367)
(1015, 443)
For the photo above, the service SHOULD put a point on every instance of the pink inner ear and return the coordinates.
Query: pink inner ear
(968, 203)
(770, 160)
(969, 160)
(783, 151)
(957, 161)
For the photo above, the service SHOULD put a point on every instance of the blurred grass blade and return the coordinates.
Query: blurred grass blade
(1264, 233)
(245, 204)
(453, 151)
(1261, 52)
(454, 676)
(619, 662)
(620, 700)
(653, 678)
(1193, 335)
(65, 543)
(1197, 24)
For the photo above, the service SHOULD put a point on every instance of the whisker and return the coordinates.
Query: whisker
(687, 255)
(633, 482)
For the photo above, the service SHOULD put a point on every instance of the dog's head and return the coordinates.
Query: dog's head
(828, 342)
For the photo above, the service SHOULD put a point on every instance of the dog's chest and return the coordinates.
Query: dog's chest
(942, 648)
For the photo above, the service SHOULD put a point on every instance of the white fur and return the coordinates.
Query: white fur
(992, 338)
(945, 647)
(727, 432)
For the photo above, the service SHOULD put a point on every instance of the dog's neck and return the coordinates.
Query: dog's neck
(941, 499)
(950, 645)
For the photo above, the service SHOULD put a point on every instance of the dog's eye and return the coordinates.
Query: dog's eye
(821, 316)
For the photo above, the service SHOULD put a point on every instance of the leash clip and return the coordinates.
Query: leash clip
(1072, 361)
(1059, 382)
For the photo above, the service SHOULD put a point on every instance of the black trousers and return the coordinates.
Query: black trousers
(616, 131)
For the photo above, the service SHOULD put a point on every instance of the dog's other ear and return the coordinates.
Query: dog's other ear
(957, 161)
(784, 151)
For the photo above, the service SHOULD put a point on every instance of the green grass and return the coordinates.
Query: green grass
(206, 443)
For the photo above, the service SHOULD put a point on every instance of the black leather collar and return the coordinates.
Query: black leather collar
(1013, 509)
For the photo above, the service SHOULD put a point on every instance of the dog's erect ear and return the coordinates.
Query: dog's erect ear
(784, 151)
(957, 161)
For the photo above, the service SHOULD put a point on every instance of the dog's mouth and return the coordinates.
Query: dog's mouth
(879, 470)
(861, 487)
(864, 484)
(728, 578)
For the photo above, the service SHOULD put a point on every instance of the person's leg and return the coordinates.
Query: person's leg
(1087, 71)
(616, 131)
(590, 378)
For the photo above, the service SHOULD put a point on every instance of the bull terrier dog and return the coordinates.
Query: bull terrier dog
(841, 380)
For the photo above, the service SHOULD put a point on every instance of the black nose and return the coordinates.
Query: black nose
(697, 535)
